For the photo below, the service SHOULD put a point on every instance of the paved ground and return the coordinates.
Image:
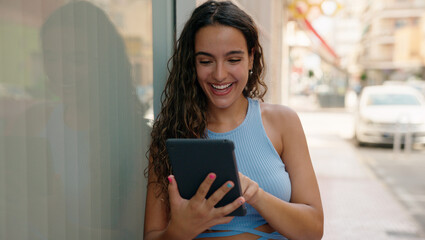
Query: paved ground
(357, 203)
(404, 174)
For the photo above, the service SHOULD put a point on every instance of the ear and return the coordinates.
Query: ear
(251, 58)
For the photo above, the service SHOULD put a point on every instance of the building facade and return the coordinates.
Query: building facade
(391, 40)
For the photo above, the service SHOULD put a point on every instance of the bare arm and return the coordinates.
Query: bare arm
(302, 217)
(156, 217)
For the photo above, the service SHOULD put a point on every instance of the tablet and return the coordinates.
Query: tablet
(193, 159)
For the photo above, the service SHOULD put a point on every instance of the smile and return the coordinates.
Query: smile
(221, 87)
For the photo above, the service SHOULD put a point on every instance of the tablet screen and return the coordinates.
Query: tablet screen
(193, 159)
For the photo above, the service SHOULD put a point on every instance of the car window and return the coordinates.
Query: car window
(392, 99)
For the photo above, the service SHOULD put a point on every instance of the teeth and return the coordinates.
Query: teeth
(221, 87)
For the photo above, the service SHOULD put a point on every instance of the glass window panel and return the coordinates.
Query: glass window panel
(75, 113)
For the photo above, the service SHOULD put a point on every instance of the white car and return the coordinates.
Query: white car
(385, 111)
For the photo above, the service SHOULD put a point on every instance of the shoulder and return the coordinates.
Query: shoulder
(281, 120)
(282, 125)
(278, 114)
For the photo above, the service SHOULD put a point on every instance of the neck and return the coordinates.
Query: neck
(226, 119)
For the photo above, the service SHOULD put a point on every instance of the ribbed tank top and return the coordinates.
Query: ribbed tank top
(257, 159)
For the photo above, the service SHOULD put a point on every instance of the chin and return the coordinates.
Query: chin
(223, 102)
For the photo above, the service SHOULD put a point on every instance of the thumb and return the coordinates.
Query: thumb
(242, 180)
(173, 190)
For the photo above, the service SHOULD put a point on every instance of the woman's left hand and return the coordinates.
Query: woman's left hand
(250, 189)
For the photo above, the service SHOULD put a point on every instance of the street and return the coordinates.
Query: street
(367, 192)
(403, 173)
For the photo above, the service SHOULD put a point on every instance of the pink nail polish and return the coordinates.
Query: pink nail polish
(170, 179)
(212, 176)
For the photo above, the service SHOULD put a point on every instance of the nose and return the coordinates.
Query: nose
(220, 72)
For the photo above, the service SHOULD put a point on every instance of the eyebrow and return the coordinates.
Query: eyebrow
(227, 54)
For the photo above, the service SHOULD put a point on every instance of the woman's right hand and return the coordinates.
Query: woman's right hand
(191, 217)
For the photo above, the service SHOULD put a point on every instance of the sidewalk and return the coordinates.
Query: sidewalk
(357, 205)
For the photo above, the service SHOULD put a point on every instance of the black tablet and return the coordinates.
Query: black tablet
(193, 159)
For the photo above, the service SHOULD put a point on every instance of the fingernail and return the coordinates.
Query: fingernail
(229, 185)
(241, 200)
(212, 176)
(170, 179)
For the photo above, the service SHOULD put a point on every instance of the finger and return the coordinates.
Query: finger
(250, 191)
(173, 190)
(229, 208)
(242, 180)
(205, 186)
(219, 194)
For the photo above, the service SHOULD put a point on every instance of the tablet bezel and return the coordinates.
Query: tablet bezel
(193, 159)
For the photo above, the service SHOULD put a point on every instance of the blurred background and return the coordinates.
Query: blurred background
(80, 82)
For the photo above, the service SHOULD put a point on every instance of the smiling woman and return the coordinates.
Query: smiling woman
(215, 90)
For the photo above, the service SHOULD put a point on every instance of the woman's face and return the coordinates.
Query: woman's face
(222, 64)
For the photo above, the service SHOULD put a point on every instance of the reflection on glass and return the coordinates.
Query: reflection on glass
(73, 140)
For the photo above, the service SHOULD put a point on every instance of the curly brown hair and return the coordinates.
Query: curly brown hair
(184, 104)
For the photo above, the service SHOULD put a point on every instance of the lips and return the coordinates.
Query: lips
(221, 89)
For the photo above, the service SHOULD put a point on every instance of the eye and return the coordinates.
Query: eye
(205, 62)
(234, 60)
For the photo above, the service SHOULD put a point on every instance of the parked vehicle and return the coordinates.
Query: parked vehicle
(384, 111)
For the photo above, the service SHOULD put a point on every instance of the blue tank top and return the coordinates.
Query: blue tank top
(257, 159)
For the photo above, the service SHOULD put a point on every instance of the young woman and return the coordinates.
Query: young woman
(215, 90)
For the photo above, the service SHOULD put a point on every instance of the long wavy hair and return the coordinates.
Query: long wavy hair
(184, 104)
